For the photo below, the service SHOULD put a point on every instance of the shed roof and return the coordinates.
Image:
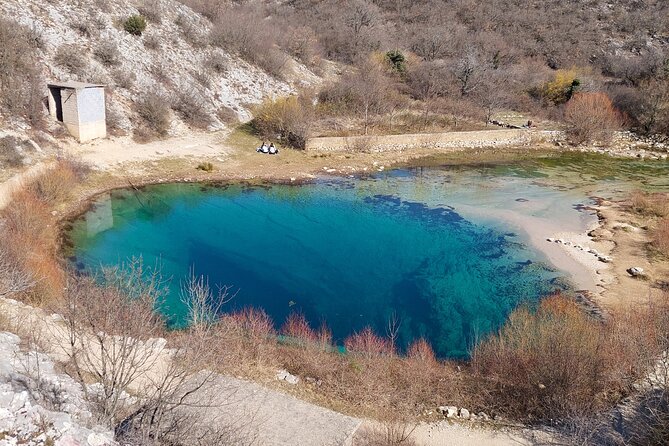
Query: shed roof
(73, 85)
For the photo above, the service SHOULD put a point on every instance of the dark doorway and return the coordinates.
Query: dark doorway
(55, 92)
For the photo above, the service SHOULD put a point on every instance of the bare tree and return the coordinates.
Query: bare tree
(428, 82)
(469, 71)
(150, 391)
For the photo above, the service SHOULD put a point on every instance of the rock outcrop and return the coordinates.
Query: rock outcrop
(39, 406)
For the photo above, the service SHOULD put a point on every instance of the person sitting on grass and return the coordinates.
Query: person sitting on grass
(273, 150)
(263, 148)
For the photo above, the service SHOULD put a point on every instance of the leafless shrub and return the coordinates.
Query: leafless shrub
(152, 10)
(202, 78)
(78, 167)
(287, 118)
(192, 31)
(653, 205)
(152, 42)
(123, 78)
(661, 236)
(154, 109)
(386, 433)
(207, 8)
(109, 329)
(192, 108)
(107, 52)
(247, 339)
(72, 57)
(161, 74)
(591, 116)
(10, 155)
(30, 237)
(301, 43)
(558, 363)
(14, 277)
(115, 122)
(217, 63)
(20, 79)
(368, 344)
(236, 31)
(83, 27)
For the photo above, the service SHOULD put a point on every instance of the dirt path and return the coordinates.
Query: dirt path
(8, 187)
(114, 152)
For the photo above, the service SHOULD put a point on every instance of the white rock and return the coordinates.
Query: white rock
(464, 414)
(284, 375)
(97, 439)
(636, 271)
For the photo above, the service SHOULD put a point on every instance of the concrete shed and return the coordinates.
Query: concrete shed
(81, 107)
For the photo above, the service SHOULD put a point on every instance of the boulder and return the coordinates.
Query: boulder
(636, 271)
(464, 413)
(449, 411)
(284, 375)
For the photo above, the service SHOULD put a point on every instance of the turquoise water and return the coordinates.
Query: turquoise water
(349, 253)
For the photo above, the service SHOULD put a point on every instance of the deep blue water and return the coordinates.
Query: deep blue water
(350, 253)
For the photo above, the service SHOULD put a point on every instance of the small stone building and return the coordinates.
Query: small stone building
(81, 107)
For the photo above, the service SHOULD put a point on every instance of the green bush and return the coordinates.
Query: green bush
(135, 25)
(397, 61)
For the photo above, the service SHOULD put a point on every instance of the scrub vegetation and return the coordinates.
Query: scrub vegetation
(385, 67)
(464, 61)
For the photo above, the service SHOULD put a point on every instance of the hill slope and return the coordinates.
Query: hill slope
(85, 41)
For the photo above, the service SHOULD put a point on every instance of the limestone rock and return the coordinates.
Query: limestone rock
(284, 375)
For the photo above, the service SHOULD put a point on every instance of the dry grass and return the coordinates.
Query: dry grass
(651, 205)
(30, 231)
(57, 185)
(661, 237)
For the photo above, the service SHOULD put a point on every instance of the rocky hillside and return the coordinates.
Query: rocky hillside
(38, 405)
(203, 86)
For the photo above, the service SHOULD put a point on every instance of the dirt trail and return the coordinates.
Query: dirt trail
(10, 186)
(110, 153)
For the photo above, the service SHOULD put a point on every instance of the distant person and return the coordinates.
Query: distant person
(272, 149)
(263, 148)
